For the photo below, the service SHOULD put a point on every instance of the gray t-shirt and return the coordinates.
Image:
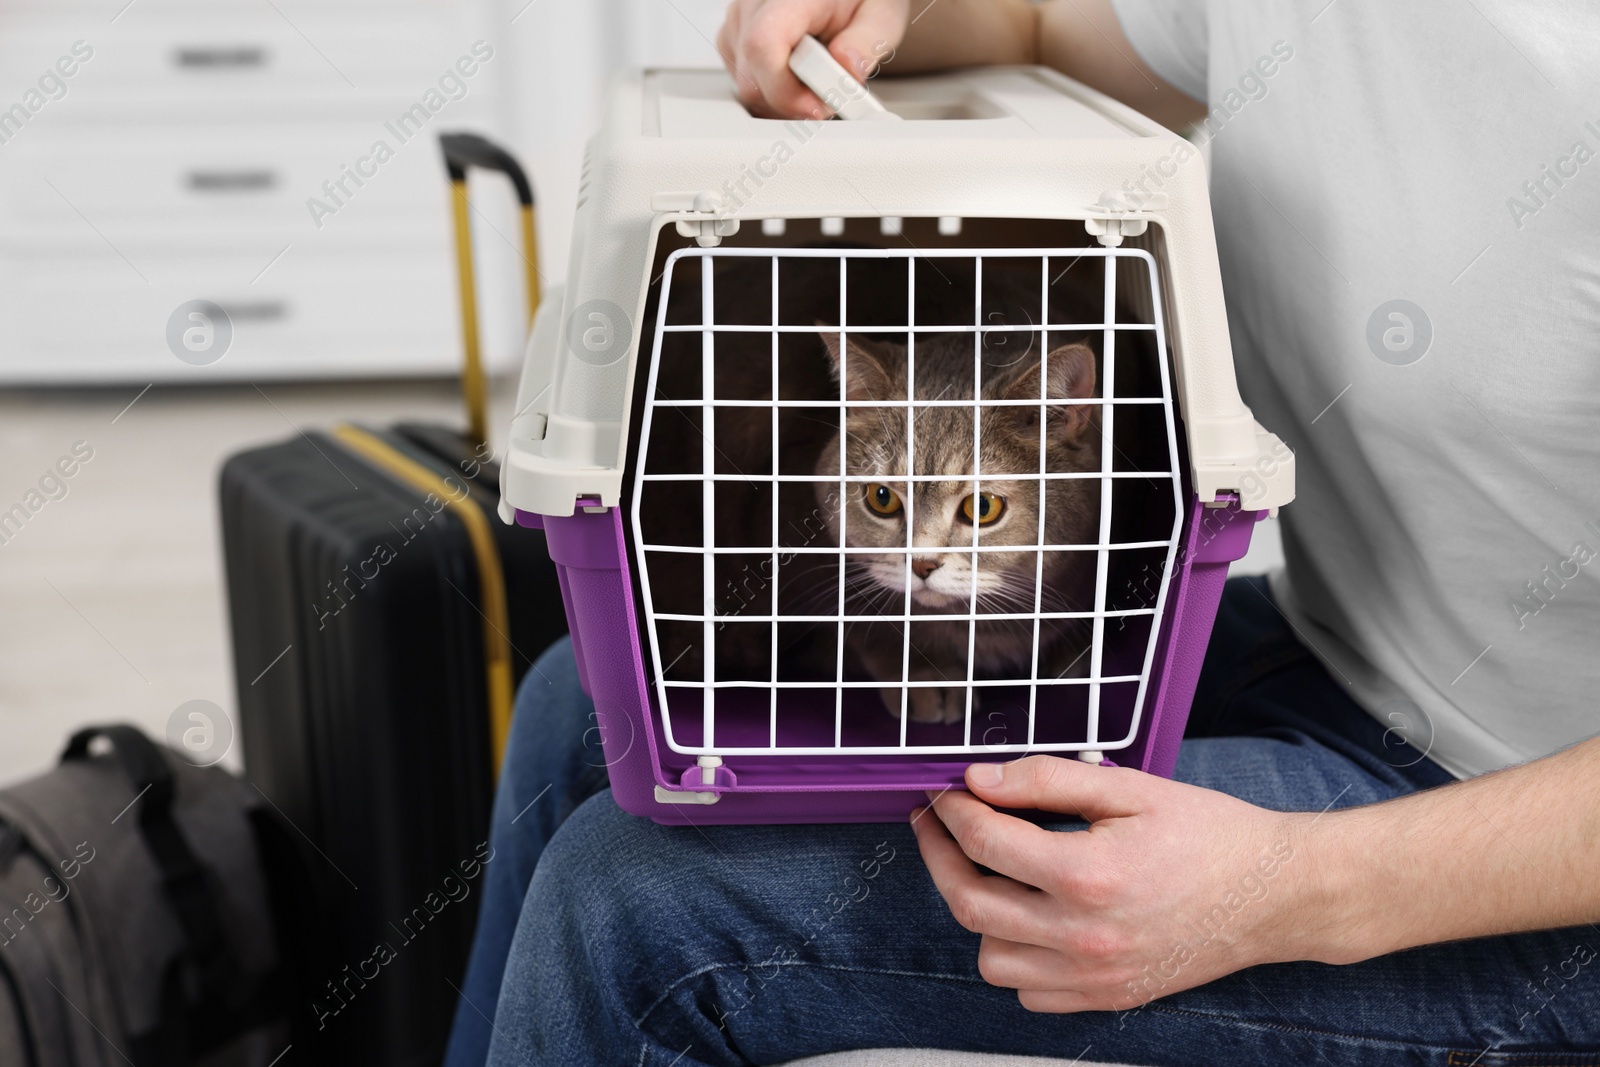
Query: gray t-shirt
(1443, 551)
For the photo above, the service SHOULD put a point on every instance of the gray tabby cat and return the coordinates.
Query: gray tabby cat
(944, 514)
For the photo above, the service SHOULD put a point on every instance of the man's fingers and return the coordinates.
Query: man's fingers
(1060, 1000)
(768, 35)
(1017, 965)
(871, 36)
(729, 45)
(1068, 786)
(1014, 847)
(981, 903)
(756, 40)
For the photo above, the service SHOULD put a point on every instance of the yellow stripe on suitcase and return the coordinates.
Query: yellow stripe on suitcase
(491, 578)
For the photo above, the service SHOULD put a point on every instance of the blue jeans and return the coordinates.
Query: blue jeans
(607, 939)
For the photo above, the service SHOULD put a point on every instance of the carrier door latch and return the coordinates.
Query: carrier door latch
(708, 230)
(1121, 214)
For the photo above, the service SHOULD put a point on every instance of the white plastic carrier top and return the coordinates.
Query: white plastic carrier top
(677, 148)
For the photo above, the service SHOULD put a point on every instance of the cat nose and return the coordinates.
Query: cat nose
(924, 566)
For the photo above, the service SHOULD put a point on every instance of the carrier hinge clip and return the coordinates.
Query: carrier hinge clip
(679, 796)
(1121, 214)
(707, 773)
(712, 223)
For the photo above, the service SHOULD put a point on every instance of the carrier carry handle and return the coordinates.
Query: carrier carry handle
(462, 152)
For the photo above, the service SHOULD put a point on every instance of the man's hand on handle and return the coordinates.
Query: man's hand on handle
(758, 35)
(1080, 38)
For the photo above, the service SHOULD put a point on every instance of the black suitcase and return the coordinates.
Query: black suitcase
(382, 615)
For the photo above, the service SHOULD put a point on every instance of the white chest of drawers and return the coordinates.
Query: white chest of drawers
(276, 157)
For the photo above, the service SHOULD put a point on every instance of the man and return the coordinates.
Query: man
(1387, 768)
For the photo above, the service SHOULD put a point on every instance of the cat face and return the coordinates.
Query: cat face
(942, 512)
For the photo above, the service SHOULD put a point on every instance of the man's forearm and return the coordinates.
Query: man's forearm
(966, 33)
(1084, 39)
(1515, 850)
(1080, 38)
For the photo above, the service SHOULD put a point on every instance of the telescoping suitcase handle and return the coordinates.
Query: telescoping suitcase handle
(463, 151)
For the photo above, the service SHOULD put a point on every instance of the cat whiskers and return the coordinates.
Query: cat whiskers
(1014, 594)
(818, 595)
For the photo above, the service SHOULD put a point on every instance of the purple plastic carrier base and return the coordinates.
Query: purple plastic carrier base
(591, 557)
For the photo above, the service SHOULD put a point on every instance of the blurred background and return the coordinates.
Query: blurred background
(278, 158)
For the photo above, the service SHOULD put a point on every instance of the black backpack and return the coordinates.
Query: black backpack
(149, 914)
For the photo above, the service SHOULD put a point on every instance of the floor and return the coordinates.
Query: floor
(111, 596)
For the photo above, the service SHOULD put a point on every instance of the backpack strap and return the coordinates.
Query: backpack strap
(185, 878)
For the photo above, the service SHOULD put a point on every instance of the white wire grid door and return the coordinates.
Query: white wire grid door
(699, 713)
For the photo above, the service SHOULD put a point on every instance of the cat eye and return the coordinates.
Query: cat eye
(882, 499)
(983, 508)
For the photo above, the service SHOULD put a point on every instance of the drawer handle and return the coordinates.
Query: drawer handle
(231, 181)
(259, 311)
(214, 58)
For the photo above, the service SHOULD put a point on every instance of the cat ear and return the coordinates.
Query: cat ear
(1070, 375)
(862, 367)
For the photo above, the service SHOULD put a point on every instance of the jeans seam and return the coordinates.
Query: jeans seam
(712, 967)
(1210, 1017)
(1288, 1027)
(1458, 1058)
(667, 992)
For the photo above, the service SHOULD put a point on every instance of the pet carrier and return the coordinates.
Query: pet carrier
(801, 368)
